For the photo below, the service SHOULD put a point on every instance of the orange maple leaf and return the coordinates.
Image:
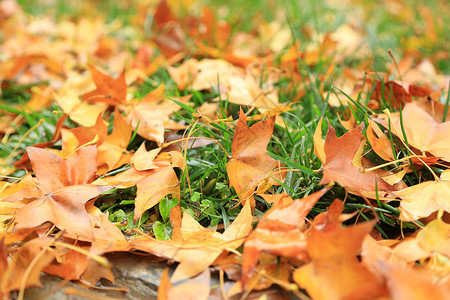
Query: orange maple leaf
(65, 186)
(151, 114)
(152, 184)
(408, 283)
(280, 232)
(19, 273)
(198, 247)
(114, 147)
(334, 271)
(340, 156)
(197, 287)
(421, 200)
(251, 166)
(422, 131)
(112, 91)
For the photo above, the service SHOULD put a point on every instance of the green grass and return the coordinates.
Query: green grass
(207, 196)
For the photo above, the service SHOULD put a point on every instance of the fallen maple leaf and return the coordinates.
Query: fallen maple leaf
(422, 131)
(280, 232)
(79, 111)
(151, 114)
(64, 183)
(423, 199)
(109, 90)
(196, 288)
(334, 271)
(251, 165)
(407, 283)
(199, 247)
(114, 146)
(342, 161)
(24, 269)
(430, 241)
(152, 184)
(229, 81)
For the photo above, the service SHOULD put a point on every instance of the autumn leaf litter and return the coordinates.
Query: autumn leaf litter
(285, 157)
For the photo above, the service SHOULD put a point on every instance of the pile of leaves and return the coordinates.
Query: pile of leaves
(175, 134)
